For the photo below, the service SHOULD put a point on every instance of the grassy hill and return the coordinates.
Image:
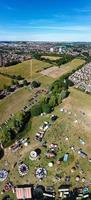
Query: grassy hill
(4, 81)
(24, 69)
(55, 72)
(14, 103)
(65, 126)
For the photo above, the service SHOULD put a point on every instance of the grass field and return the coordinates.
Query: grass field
(14, 103)
(53, 58)
(55, 72)
(24, 69)
(4, 81)
(75, 122)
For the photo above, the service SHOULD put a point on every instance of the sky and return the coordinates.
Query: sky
(45, 20)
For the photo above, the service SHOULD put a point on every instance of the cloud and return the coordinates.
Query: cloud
(79, 28)
(83, 10)
(33, 36)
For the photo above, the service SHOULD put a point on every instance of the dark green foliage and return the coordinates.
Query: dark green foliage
(12, 63)
(65, 58)
(11, 134)
(25, 82)
(53, 101)
(7, 197)
(1, 153)
(36, 110)
(64, 94)
(46, 108)
(35, 84)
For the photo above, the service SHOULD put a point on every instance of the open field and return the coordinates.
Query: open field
(14, 103)
(55, 72)
(51, 57)
(73, 122)
(4, 81)
(27, 71)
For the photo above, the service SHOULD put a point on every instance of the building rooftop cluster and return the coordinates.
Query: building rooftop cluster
(38, 192)
(11, 58)
(82, 78)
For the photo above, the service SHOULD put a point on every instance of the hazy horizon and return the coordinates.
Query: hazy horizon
(67, 21)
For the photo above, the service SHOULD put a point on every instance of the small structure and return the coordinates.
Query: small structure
(82, 141)
(38, 192)
(78, 178)
(65, 159)
(83, 179)
(23, 192)
(66, 139)
(15, 147)
(67, 180)
(54, 118)
(62, 110)
(50, 164)
(3, 175)
(41, 173)
(23, 169)
(45, 126)
(89, 160)
(53, 145)
(64, 192)
(50, 154)
(34, 154)
(82, 154)
(7, 187)
(82, 193)
(73, 169)
(39, 136)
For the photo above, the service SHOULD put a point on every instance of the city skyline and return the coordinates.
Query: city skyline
(45, 21)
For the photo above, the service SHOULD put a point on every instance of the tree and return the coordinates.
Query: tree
(1, 152)
(7, 197)
(14, 82)
(53, 101)
(25, 82)
(12, 134)
(46, 108)
(36, 110)
(5, 86)
(59, 99)
(35, 84)
(64, 94)
(19, 77)
(8, 88)
(43, 99)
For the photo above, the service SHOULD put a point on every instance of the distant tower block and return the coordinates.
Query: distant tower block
(1, 60)
(90, 52)
(60, 50)
(51, 50)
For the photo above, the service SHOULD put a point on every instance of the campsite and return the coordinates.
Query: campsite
(54, 147)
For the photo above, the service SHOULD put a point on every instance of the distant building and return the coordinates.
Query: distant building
(51, 50)
(23, 192)
(1, 60)
(90, 52)
(60, 50)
